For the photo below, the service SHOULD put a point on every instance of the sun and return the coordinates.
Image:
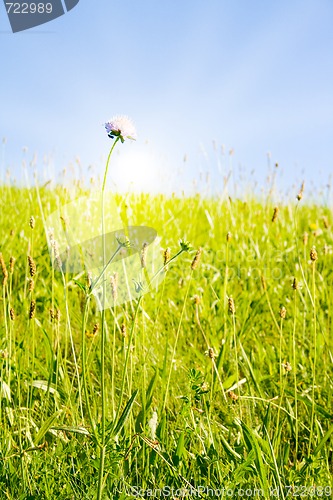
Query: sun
(136, 170)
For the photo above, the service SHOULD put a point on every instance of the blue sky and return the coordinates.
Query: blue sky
(256, 77)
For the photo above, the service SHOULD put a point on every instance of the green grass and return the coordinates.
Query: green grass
(235, 418)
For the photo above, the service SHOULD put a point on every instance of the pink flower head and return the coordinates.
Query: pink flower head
(122, 127)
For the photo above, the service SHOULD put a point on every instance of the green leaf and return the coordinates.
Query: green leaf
(76, 430)
(141, 418)
(45, 386)
(177, 457)
(46, 427)
(323, 440)
(150, 390)
(124, 416)
(80, 285)
(180, 445)
(254, 442)
(230, 451)
(308, 402)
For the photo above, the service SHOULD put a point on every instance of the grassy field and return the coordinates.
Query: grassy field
(217, 383)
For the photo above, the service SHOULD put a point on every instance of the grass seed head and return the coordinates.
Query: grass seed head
(31, 285)
(32, 266)
(231, 305)
(123, 329)
(305, 238)
(196, 300)
(326, 222)
(196, 260)
(301, 192)
(3, 354)
(4, 270)
(287, 366)
(114, 286)
(166, 258)
(12, 264)
(229, 236)
(283, 312)
(144, 251)
(12, 314)
(64, 221)
(233, 396)
(211, 353)
(313, 254)
(95, 329)
(55, 248)
(296, 284)
(275, 214)
(32, 310)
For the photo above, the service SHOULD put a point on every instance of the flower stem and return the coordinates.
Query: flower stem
(107, 164)
(103, 339)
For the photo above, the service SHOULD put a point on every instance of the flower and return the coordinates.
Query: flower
(122, 127)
